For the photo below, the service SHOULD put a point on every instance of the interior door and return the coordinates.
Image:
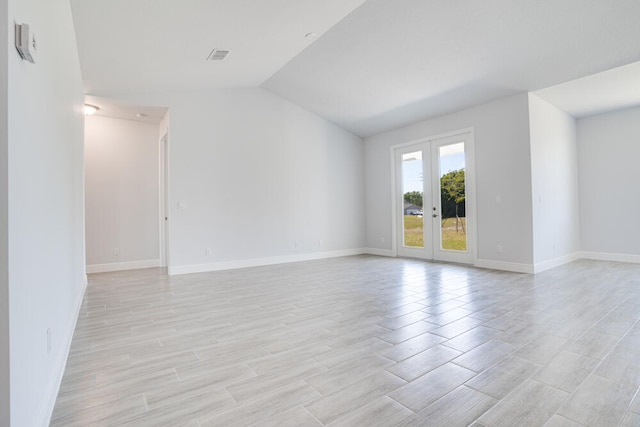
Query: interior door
(434, 216)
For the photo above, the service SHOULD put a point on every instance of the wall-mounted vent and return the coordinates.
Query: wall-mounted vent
(217, 55)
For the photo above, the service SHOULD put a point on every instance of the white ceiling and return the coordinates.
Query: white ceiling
(374, 65)
(610, 90)
(151, 45)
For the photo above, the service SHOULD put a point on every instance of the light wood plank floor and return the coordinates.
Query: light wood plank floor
(357, 341)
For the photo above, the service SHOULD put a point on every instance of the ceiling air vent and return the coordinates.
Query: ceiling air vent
(217, 55)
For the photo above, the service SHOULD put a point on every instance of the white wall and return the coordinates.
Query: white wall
(4, 224)
(608, 153)
(554, 167)
(121, 193)
(503, 168)
(45, 207)
(261, 180)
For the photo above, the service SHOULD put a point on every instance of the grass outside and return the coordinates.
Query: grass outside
(451, 240)
(413, 231)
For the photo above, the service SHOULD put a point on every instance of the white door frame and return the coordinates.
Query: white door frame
(470, 203)
(164, 200)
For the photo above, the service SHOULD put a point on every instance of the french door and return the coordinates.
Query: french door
(434, 202)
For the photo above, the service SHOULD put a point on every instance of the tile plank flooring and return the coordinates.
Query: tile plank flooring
(357, 341)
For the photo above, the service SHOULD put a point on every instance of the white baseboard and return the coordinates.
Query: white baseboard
(605, 256)
(257, 262)
(119, 266)
(379, 252)
(556, 262)
(505, 266)
(44, 419)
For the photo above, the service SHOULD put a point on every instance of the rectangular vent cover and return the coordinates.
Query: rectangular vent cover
(217, 55)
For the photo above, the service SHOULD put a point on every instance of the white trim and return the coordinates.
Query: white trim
(61, 363)
(505, 266)
(555, 262)
(471, 194)
(257, 262)
(532, 268)
(379, 252)
(432, 137)
(162, 193)
(394, 203)
(606, 256)
(119, 266)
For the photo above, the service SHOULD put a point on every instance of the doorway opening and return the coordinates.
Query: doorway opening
(126, 186)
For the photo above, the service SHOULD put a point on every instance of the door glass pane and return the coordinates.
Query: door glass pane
(453, 229)
(412, 189)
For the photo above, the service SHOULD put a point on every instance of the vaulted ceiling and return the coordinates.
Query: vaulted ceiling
(155, 45)
(370, 65)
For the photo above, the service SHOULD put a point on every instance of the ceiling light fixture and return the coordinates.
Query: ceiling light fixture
(141, 115)
(310, 35)
(90, 109)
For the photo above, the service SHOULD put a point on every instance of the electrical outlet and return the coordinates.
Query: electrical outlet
(382, 239)
(320, 242)
(207, 251)
(48, 340)
(116, 251)
(499, 248)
